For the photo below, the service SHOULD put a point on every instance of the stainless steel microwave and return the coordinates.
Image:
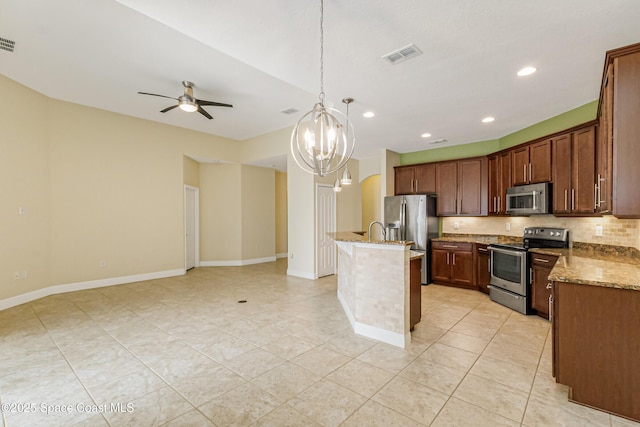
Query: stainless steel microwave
(532, 199)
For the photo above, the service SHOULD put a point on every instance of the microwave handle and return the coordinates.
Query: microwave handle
(535, 195)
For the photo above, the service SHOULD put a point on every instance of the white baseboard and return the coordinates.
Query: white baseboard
(303, 274)
(237, 263)
(373, 332)
(91, 284)
(283, 255)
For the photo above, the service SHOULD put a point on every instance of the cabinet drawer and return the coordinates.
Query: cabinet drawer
(453, 246)
(543, 260)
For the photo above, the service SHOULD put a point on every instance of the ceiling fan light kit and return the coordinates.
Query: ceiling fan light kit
(187, 102)
(320, 142)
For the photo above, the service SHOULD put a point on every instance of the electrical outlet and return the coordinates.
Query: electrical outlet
(16, 275)
(291, 255)
(599, 230)
(507, 226)
(456, 225)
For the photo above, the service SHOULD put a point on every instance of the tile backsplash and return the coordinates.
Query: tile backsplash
(617, 232)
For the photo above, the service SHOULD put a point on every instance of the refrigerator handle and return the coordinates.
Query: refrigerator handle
(403, 215)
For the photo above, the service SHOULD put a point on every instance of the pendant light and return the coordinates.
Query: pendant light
(336, 186)
(346, 175)
(320, 142)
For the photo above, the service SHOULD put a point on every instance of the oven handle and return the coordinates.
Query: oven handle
(509, 252)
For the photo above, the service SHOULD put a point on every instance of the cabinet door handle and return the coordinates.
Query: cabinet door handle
(565, 199)
(550, 308)
(573, 199)
(524, 170)
(447, 258)
(595, 197)
(549, 286)
(541, 260)
(529, 171)
(499, 204)
(450, 246)
(454, 258)
(483, 250)
(412, 185)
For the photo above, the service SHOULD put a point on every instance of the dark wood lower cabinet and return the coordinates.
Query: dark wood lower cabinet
(415, 291)
(596, 349)
(453, 264)
(483, 271)
(541, 266)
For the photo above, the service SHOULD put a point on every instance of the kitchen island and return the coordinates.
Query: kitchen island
(374, 286)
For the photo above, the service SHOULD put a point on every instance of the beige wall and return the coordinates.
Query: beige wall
(281, 214)
(618, 232)
(220, 211)
(371, 204)
(24, 183)
(258, 198)
(103, 197)
(191, 171)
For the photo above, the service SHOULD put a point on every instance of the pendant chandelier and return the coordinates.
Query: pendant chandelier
(346, 175)
(323, 139)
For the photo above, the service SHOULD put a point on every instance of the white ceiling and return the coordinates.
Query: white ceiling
(263, 57)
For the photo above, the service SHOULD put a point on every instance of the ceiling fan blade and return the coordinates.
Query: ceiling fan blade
(155, 94)
(204, 113)
(168, 108)
(216, 104)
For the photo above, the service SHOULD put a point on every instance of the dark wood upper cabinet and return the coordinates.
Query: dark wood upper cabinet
(531, 163)
(462, 187)
(447, 188)
(425, 178)
(499, 181)
(415, 179)
(574, 179)
(625, 123)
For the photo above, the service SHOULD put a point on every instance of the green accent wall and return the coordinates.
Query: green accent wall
(560, 122)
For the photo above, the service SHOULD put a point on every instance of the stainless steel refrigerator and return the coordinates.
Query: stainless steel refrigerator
(413, 218)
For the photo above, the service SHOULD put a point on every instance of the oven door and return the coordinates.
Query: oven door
(509, 270)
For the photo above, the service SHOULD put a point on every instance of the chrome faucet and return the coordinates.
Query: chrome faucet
(384, 236)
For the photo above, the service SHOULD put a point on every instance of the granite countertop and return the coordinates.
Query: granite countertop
(587, 267)
(477, 238)
(586, 264)
(349, 236)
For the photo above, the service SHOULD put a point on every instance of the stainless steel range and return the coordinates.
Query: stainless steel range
(511, 266)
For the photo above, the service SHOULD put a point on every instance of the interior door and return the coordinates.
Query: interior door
(325, 223)
(191, 220)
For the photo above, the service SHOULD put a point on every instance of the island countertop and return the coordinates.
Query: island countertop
(349, 236)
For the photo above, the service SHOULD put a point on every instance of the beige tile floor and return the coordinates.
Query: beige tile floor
(183, 352)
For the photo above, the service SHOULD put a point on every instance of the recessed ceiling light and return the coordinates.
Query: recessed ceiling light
(527, 71)
(369, 114)
(488, 119)
(425, 135)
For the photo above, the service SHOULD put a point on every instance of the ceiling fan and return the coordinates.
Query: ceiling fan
(188, 103)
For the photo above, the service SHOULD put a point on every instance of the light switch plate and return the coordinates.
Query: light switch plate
(599, 230)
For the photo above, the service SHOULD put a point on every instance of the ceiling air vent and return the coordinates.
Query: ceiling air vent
(402, 54)
(437, 141)
(7, 45)
(289, 111)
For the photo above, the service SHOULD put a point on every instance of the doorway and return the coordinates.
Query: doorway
(325, 223)
(191, 227)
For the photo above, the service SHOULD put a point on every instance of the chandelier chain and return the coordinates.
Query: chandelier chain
(321, 96)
